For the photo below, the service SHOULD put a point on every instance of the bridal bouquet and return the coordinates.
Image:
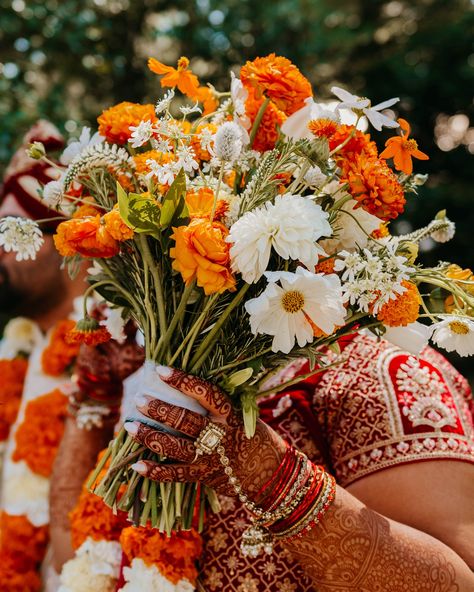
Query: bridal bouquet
(242, 229)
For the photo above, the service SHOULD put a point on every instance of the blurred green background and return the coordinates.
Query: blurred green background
(66, 60)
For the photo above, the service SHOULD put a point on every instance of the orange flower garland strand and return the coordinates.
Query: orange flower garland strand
(12, 374)
(39, 435)
(59, 355)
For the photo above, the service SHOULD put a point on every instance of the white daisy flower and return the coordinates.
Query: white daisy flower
(228, 142)
(141, 133)
(21, 236)
(291, 311)
(291, 226)
(296, 126)
(455, 334)
(363, 105)
(85, 140)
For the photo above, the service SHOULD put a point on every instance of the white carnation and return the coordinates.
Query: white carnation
(77, 576)
(291, 226)
(228, 142)
(21, 236)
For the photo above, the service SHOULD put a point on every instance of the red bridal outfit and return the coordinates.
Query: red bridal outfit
(380, 407)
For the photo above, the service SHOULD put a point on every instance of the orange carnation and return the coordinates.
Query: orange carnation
(200, 204)
(273, 118)
(114, 123)
(88, 331)
(374, 186)
(59, 353)
(85, 236)
(116, 226)
(323, 128)
(180, 77)
(39, 435)
(11, 389)
(202, 253)
(175, 556)
(279, 80)
(403, 309)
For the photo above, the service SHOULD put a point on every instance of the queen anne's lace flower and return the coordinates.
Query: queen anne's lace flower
(291, 226)
(455, 334)
(141, 133)
(21, 236)
(303, 305)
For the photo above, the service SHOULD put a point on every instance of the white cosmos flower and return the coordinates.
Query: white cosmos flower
(455, 334)
(290, 311)
(21, 236)
(296, 126)
(291, 226)
(413, 338)
(141, 133)
(85, 140)
(362, 104)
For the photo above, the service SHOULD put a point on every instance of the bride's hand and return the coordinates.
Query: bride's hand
(253, 461)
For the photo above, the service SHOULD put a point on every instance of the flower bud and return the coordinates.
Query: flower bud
(36, 150)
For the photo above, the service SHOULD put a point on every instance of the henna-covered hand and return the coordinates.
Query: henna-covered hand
(253, 460)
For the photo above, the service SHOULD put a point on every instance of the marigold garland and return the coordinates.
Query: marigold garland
(374, 186)
(39, 435)
(12, 373)
(59, 354)
(403, 309)
(174, 556)
(279, 80)
(114, 123)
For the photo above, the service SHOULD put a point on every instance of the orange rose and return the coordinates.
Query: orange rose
(85, 236)
(202, 253)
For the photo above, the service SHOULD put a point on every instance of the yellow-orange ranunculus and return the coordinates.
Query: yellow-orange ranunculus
(201, 253)
(115, 225)
(279, 80)
(114, 123)
(200, 204)
(85, 236)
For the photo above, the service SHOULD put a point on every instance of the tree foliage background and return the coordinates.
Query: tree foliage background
(66, 60)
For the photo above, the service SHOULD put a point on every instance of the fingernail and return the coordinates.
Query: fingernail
(141, 400)
(131, 427)
(139, 467)
(164, 371)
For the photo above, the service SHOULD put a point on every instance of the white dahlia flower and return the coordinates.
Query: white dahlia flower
(291, 226)
(291, 311)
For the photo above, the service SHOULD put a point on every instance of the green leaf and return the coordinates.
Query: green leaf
(139, 212)
(174, 206)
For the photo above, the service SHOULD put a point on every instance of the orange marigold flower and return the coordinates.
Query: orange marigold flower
(202, 253)
(200, 204)
(116, 226)
(180, 77)
(11, 390)
(359, 143)
(403, 309)
(142, 168)
(59, 353)
(374, 186)
(87, 209)
(88, 331)
(402, 150)
(323, 128)
(39, 435)
(114, 123)
(273, 118)
(85, 236)
(279, 80)
(382, 231)
(175, 556)
(325, 266)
